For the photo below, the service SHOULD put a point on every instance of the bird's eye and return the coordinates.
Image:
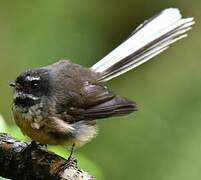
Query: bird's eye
(34, 84)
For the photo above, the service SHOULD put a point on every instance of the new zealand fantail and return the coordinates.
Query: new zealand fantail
(60, 103)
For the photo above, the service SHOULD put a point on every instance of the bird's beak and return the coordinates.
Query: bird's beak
(12, 84)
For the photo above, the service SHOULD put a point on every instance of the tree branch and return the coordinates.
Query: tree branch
(20, 160)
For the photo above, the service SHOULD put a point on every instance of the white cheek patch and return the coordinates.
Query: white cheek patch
(31, 78)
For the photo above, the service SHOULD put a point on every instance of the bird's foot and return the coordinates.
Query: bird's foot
(71, 161)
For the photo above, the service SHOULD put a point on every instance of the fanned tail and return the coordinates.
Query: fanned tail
(149, 39)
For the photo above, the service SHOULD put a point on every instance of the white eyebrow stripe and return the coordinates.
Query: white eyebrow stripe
(31, 78)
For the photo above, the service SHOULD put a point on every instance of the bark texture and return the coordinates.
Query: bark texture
(29, 161)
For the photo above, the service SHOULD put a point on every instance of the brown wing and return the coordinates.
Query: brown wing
(80, 98)
(98, 102)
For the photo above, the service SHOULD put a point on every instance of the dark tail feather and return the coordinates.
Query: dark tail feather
(118, 106)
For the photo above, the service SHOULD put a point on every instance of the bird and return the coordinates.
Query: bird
(60, 104)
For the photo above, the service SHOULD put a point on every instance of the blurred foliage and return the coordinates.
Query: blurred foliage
(162, 141)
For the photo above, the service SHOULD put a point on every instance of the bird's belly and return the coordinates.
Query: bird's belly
(38, 132)
(44, 135)
(40, 135)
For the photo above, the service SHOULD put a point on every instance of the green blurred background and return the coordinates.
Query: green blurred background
(162, 141)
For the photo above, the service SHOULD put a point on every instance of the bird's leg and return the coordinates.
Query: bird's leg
(71, 152)
(70, 161)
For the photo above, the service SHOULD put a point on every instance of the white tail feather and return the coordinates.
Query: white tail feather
(149, 39)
